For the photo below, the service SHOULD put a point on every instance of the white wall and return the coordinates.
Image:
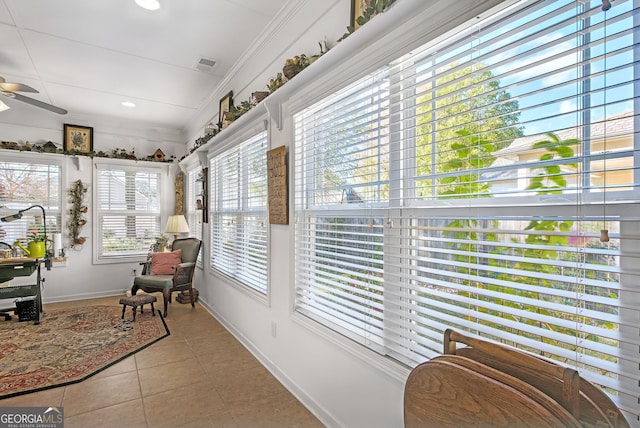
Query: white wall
(341, 382)
(79, 278)
(298, 29)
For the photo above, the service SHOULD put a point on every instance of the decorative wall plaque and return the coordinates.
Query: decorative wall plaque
(180, 193)
(277, 183)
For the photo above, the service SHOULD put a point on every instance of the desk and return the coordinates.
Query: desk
(22, 266)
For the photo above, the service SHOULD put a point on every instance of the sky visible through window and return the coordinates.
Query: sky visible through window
(564, 63)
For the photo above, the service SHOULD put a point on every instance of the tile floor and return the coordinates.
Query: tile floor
(199, 376)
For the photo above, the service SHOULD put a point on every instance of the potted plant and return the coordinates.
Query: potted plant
(258, 96)
(160, 244)
(374, 8)
(276, 82)
(237, 111)
(323, 50)
(36, 244)
(295, 65)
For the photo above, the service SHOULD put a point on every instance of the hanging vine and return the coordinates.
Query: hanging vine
(77, 194)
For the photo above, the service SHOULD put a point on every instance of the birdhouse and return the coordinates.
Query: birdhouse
(158, 156)
(49, 147)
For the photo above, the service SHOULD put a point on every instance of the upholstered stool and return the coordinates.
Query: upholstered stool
(138, 300)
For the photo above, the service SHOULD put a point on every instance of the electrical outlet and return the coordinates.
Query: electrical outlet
(274, 328)
(133, 272)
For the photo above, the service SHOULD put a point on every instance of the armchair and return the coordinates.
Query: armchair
(180, 280)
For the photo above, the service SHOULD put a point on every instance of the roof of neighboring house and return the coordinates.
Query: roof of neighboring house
(615, 126)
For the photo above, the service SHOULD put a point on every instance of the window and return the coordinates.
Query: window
(465, 186)
(128, 211)
(25, 181)
(195, 201)
(238, 220)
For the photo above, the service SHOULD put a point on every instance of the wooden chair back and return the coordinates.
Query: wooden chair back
(588, 404)
(453, 391)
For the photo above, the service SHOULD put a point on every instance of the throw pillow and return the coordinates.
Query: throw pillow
(163, 263)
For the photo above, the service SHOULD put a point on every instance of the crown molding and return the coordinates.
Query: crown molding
(287, 14)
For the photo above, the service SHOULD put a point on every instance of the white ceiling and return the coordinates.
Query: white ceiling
(88, 56)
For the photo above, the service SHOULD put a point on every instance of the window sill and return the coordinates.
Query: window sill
(59, 262)
(237, 285)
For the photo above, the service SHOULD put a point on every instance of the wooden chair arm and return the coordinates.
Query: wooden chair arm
(186, 265)
(183, 273)
(146, 270)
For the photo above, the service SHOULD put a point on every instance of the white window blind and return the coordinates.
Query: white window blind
(127, 210)
(465, 186)
(25, 181)
(238, 219)
(194, 208)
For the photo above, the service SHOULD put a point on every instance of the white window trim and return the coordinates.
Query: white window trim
(189, 210)
(49, 159)
(302, 102)
(223, 143)
(362, 52)
(164, 168)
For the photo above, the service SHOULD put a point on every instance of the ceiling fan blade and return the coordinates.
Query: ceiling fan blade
(19, 87)
(39, 104)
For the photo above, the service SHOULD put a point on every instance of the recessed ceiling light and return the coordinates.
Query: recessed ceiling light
(128, 104)
(148, 4)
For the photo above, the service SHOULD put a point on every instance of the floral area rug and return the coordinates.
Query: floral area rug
(69, 345)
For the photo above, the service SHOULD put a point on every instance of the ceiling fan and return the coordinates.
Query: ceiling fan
(9, 90)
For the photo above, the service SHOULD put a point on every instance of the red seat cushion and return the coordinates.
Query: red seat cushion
(163, 263)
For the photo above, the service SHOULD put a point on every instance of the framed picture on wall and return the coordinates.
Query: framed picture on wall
(363, 11)
(357, 9)
(78, 138)
(225, 105)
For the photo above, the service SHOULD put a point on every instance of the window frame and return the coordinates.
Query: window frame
(123, 165)
(618, 209)
(216, 186)
(46, 159)
(194, 216)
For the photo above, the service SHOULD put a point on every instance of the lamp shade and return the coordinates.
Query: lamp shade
(176, 224)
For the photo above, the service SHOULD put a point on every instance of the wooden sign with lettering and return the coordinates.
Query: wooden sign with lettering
(278, 185)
